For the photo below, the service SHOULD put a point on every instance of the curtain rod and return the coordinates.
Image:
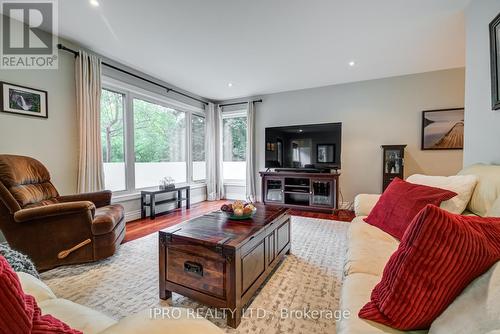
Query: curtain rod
(62, 47)
(238, 103)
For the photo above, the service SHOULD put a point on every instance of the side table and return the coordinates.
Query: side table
(152, 203)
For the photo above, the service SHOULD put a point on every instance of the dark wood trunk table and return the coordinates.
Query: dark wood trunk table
(221, 262)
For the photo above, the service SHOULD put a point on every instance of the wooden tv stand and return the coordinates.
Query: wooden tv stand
(306, 191)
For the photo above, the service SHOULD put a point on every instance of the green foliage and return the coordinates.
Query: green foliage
(159, 133)
(235, 139)
(112, 126)
(198, 138)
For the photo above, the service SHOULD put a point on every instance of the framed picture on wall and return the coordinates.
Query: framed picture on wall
(22, 100)
(495, 62)
(443, 129)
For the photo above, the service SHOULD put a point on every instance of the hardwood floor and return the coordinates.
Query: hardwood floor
(142, 227)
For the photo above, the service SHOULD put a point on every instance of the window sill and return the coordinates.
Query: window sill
(136, 194)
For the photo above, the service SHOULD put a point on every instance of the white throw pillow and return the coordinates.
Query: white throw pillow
(475, 310)
(463, 185)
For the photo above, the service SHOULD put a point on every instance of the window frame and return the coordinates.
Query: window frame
(226, 115)
(190, 144)
(130, 93)
(124, 106)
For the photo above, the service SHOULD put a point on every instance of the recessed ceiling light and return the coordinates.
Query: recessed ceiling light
(94, 3)
(230, 84)
(352, 63)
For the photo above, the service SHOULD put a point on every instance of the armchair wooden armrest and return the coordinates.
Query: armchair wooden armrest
(54, 210)
(99, 198)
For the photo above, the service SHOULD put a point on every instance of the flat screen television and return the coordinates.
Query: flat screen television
(312, 146)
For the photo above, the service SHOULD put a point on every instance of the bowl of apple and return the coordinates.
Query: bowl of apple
(239, 210)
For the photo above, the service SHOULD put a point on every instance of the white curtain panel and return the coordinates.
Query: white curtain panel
(220, 166)
(88, 101)
(213, 149)
(250, 180)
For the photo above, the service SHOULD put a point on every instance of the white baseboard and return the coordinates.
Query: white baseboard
(132, 215)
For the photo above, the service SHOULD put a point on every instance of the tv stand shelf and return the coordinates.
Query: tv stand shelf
(307, 191)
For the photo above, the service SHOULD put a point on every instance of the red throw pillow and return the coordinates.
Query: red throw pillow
(440, 254)
(401, 202)
(19, 313)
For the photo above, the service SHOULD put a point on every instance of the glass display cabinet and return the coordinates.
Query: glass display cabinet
(321, 193)
(393, 163)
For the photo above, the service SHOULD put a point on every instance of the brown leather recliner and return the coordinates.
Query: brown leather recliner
(55, 230)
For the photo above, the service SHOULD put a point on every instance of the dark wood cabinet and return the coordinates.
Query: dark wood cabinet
(393, 163)
(307, 191)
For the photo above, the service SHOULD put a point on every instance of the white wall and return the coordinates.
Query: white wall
(373, 113)
(482, 125)
(53, 141)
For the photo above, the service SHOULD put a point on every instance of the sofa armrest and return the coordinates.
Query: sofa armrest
(35, 287)
(364, 203)
(99, 198)
(171, 320)
(54, 210)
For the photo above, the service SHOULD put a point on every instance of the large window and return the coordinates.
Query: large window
(146, 137)
(112, 134)
(234, 152)
(198, 147)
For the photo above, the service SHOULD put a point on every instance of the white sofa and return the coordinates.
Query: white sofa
(91, 322)
(369, 249)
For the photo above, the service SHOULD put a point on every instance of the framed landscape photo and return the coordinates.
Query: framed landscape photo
(22, 100)
(443, 129)
(495, 62)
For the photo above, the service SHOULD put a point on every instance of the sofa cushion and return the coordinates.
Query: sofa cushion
(401, 202)
(34, 287)
(463, 185)
(364, 203)
(487, 189)
(106, 218)
(356, 290)
(494, 210)
(440, 254)
(476, 310)
(19, 312)
(173, 320)
(77, 316)
(369, 248)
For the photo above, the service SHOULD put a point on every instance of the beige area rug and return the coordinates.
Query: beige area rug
(309, 278)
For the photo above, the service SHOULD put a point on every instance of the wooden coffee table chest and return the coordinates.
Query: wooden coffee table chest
(222, 262)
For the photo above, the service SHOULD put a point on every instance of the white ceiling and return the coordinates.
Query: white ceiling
(267, 46)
